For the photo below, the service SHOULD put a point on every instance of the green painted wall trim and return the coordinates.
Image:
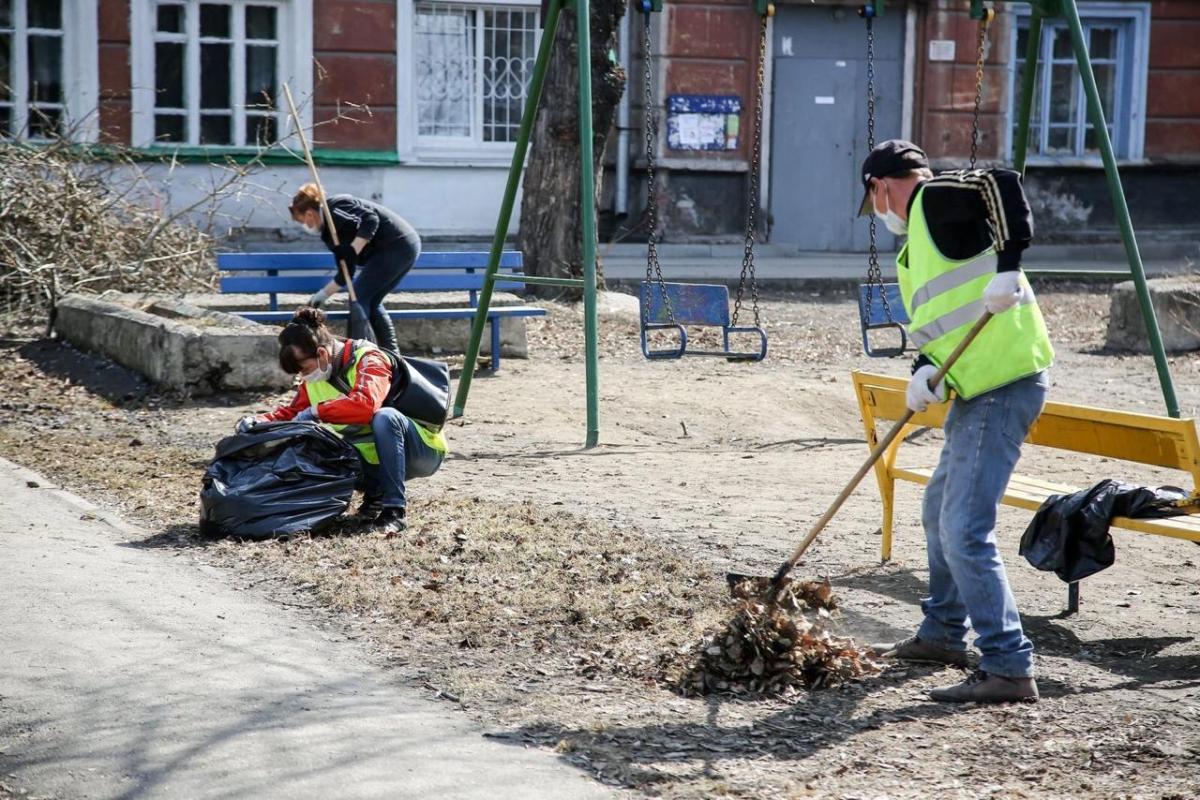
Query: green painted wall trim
(220, 155)
(209, 155)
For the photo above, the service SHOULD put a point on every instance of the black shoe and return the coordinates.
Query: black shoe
(981, 687)
(916, 649)
(391, 521)
(370, 507)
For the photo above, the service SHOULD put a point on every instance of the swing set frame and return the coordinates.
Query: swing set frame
(1042, 10)
(1068, 11)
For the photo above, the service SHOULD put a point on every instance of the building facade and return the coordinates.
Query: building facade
(924, 74)
(416, 103)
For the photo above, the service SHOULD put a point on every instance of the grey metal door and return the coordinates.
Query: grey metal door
(819, 122)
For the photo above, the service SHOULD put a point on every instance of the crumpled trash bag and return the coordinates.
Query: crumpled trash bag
(1069, 534)
(276, 480)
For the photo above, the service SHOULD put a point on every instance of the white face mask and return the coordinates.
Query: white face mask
(891, 220)
(318, 374)
(309, 229)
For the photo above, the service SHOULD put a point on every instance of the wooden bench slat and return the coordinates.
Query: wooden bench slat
(303, 284)
(1119, 435)
(1128, 436)
(1029, 493)
(474, 259)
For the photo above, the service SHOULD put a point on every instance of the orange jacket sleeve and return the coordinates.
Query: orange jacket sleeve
(372, 383)
(284, 413)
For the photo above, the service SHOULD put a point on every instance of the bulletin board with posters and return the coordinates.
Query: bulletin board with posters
(703, 121)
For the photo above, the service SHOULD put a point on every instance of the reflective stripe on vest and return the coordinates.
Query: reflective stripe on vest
(944, 299)
(435, 440)
(361, 436)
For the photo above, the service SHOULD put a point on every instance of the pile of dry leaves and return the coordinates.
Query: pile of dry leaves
(775, 647)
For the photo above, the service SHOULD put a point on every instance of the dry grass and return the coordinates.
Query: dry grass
(518, 592)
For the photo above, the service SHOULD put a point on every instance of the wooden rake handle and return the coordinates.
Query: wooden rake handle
(876, 453)
(312, 167)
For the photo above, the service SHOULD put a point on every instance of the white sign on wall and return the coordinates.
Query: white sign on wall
(941, 50)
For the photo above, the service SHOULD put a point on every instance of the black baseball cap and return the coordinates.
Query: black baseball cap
(888, 158)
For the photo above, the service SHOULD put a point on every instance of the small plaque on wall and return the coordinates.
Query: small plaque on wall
(941, 50)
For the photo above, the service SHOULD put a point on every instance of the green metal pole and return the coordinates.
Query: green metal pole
(532, 101)
(587, 207)
(1096, 115)
(1033, 52)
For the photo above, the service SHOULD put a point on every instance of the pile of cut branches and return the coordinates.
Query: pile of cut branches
(74, 218)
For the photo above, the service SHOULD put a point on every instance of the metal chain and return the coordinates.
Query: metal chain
(983, 27)
(874, 274)
(653, 268)
(754, 191)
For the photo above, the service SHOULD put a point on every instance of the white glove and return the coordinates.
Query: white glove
(1003, 291)
(246, 424)
(919, 395)
(318, 299)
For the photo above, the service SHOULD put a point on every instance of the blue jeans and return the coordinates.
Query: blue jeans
(403, 454)
(967, 582)
(375, 278)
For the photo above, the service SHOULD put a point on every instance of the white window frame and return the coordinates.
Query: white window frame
(452, 151)
(294, 34)
(80, 63)
(1134, 52)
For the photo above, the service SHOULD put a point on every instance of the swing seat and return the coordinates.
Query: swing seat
(873, 316)
(698, 304)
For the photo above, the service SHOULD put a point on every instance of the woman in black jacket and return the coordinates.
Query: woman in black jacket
(370, 236)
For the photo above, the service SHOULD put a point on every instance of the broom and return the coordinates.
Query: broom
(358, 327)
(777, 582)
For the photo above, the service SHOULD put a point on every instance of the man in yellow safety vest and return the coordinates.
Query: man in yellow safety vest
(966, 232)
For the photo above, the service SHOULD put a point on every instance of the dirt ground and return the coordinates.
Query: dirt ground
(543, 587)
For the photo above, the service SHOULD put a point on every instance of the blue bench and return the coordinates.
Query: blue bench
(274, 274)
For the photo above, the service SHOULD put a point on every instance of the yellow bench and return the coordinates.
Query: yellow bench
(1138, 438)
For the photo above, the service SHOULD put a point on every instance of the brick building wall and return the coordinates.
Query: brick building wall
(354, 46)
(702, 47)
(1173, 90)
(712, 48)
(116, 109)
(945, 91)
(354, 50)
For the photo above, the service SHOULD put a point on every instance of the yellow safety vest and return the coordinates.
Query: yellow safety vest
(361, 436)
(944, 298)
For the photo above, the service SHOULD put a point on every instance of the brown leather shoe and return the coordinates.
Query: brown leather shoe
(981, 687)
(915, 649)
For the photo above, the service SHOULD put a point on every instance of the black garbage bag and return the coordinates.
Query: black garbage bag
(1069, 534)
(278, 479)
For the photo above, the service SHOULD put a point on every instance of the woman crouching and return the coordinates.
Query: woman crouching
(344, 386)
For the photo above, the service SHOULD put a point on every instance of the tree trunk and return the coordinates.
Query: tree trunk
(551, 227)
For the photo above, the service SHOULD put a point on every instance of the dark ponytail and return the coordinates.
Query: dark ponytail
(300, 339)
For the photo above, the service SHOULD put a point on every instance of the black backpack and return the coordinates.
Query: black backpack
(420, 387)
